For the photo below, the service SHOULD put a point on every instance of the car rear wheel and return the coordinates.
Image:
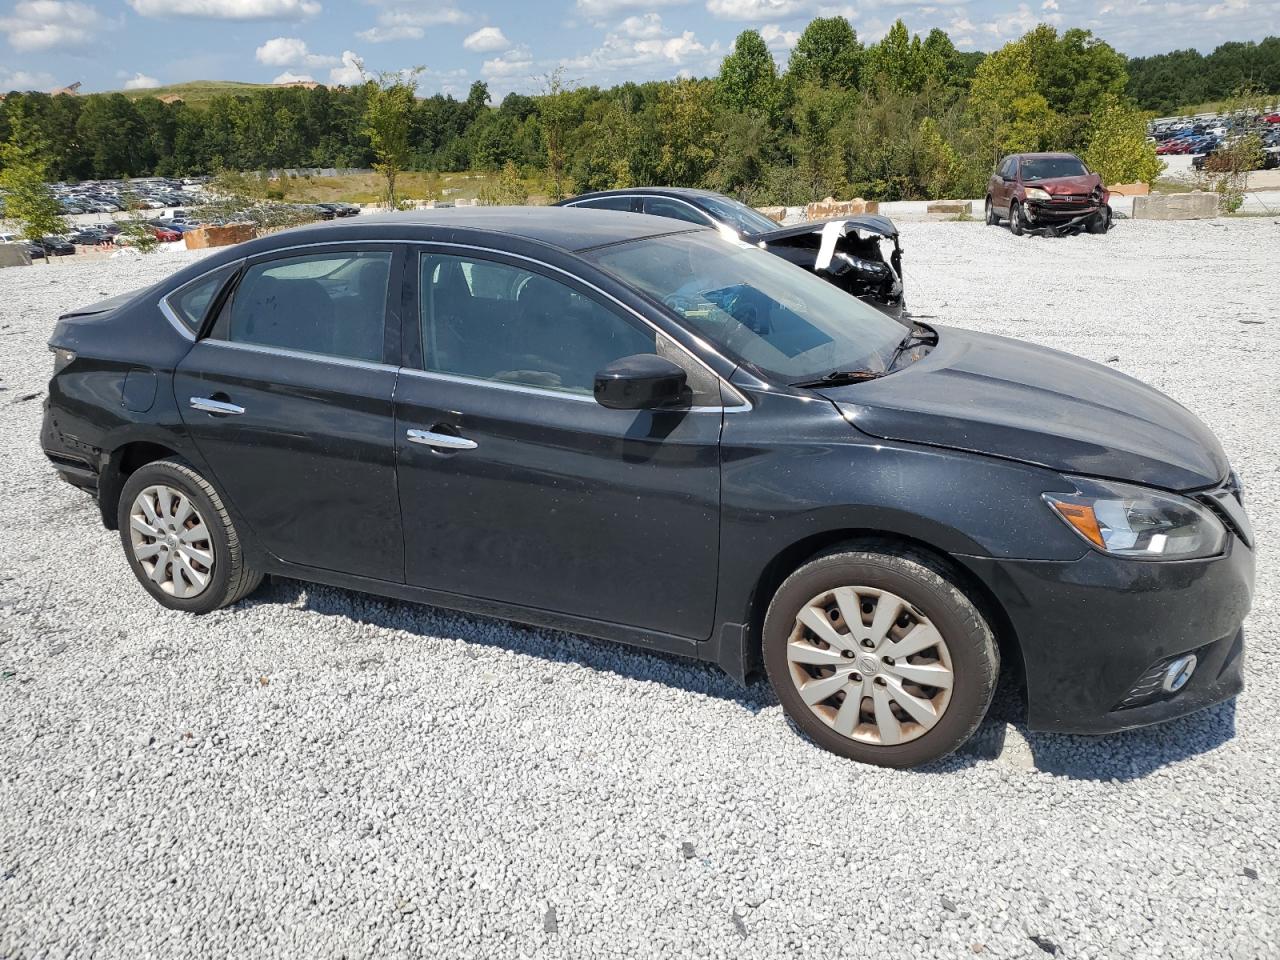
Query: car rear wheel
(992, 219)
(876, 655)
(1015, 219)
(180, 541)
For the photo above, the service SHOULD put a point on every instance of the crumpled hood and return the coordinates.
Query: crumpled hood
(1011, 399)
(1067, 185)
(871, 223)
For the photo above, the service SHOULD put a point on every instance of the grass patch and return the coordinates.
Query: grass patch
(1172, 186)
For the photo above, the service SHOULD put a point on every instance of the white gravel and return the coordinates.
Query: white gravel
(316, 773)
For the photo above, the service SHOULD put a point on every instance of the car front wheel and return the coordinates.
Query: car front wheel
(180, 541)
(1100, 222)
(876, 655)
(1015, 219)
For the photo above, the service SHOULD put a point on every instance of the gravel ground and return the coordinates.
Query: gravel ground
(317, 773)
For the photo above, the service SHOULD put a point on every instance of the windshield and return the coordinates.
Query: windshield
(757, 307)
(738, 215)
(1049, 168)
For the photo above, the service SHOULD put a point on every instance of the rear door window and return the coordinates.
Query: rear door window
(331, 303)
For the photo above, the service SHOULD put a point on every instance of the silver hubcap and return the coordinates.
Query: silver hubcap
(170, 541)
(870, 665)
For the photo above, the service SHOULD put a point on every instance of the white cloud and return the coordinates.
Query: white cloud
(140, 81)
(642, 46)
(397, 22)
(778, 39)
(605, 9)
(25, 80)
(228, 9)
(290, 77)
(517, 62)
(756, 10)
(486, 40)
(1049, 5)
(643, 27)
(50, 25)
(350, 73)
(291, 52)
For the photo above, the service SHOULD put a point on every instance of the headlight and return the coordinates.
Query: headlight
(62, 359)
(1035, 193)
(1138, 523)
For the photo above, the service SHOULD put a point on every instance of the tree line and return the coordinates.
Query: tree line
(902, 118)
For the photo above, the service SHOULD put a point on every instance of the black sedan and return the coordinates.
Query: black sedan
(624, 426)
(844, 251)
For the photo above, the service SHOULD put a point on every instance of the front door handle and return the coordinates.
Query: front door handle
(440, 441)
(209, 405)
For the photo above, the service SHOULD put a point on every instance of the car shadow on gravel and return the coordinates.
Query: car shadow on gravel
(553, 646)
(1003, 739)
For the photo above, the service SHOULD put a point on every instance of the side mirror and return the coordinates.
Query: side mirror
(643, 381)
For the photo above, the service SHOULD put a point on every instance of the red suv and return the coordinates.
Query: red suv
(1047, 192)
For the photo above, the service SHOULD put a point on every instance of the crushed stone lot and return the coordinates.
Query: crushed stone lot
(315, 773)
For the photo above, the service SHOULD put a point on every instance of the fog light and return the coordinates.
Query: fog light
(1178, 673)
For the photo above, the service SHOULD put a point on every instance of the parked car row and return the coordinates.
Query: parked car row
(117, 196)
(1212, 160)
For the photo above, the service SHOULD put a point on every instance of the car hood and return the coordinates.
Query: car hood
(1006, 398)
(871, 223)
(1059, 185)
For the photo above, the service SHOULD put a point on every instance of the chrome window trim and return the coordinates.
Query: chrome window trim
(301, 354)
(172, 315)
(536, 391)
(742, 406)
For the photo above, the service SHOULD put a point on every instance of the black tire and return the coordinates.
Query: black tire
(926, 584)
(1015, 218)
(231, 579)
(1100, 222)
(992, 218)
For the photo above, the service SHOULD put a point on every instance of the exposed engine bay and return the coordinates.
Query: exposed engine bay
(849, 253)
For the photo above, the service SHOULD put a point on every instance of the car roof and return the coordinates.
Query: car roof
(1047, 155)
(688, 192)
(570, 230)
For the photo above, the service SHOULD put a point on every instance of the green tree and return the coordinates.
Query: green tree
(555, 112)
(828, 53)
(386, 124)
(748, 78)
(687, 131)
(1118, 148)
(897, 60)
(816, 115)
(28, 202)
(1009, 113)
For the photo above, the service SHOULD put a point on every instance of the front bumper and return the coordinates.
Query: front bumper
(1091, 629)
(1053, 212)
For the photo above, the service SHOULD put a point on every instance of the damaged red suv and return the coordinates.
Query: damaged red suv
(1051, 193)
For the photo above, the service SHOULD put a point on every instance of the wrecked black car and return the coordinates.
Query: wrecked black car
(845, 251)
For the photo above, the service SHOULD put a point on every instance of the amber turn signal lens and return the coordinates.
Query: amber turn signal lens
(1082, 518)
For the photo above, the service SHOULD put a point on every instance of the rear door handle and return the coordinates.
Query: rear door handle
(440, 441)
(209, 405)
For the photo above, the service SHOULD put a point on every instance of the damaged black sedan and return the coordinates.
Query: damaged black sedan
(845, 251)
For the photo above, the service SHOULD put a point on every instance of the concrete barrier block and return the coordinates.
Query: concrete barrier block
(202, 237)
(12, 255)
(955, 208)
(776, 214)
(1130, 189)
(831, 207)
(1176, 206)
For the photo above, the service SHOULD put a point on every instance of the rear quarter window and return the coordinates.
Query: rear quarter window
(190, 303)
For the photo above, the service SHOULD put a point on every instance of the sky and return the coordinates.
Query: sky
(511, 44)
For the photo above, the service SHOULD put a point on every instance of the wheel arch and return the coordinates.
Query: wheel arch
(119, 465)
(789, 559)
